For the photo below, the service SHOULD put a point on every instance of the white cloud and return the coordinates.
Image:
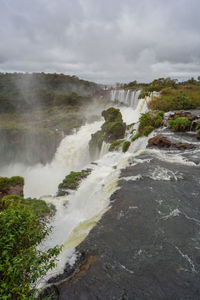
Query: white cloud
(104, 41)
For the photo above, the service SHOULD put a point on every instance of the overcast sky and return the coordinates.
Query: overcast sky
(101, 40)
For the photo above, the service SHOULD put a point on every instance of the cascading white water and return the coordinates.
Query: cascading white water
(72, 154)
(127, 97)
(78, 213)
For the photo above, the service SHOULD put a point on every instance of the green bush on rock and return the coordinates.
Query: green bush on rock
(147, 130)
(6, 183)
(125, 146)
(136, 136)
(113, 129)
(180, 124)
(73, 180)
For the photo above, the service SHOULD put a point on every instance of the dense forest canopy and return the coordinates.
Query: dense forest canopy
(23, 91)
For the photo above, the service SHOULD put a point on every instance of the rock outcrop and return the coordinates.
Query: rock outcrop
(162, 142)
(72, 181)
(113, 129)
(159, 141)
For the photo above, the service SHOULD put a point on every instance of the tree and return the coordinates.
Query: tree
(21, 263)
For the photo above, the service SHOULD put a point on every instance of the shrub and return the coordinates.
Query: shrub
(112, 115)
(145, 120)
(151, 119)
(73, 180)
(21, 263)
(180, 124)
(183, 102)
(38, 207)
(144, 94)
(136, 136)
(176, 99)
(147, 130)
(6, 182)
(125, 146)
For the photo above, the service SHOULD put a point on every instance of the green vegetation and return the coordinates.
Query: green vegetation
(136, 136)
(6, 183)
(174, 95)
(177, 96)
(180, 124)
(38, 207)
(113, 129)
(28, 92)
(147, 123)
(115, 145)
(125, 146)
(112, 115)
(22, 228)
(149, 119)
(73, 180)
(36, 110)
(147, 130)
(144, 94)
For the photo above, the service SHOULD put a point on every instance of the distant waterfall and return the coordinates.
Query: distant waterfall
(127, 97)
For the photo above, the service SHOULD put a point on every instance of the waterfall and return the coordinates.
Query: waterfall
(71, 155)
(127, 97)
(78, 212)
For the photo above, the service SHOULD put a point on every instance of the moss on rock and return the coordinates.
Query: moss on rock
(72, 181)
(125, 146)
(116, 145)
(113, 129)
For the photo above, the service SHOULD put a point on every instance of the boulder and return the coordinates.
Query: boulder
(159, 141)
(162, 142)
(184, 146)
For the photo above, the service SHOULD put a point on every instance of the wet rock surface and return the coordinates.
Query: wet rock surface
(162, 142)
(159, 141)
(147, 246)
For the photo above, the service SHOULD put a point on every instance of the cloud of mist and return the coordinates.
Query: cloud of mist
(103, 41)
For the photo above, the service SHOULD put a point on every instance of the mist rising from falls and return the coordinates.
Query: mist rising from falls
(71, 155)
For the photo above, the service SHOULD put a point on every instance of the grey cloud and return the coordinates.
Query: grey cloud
(104, 41)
